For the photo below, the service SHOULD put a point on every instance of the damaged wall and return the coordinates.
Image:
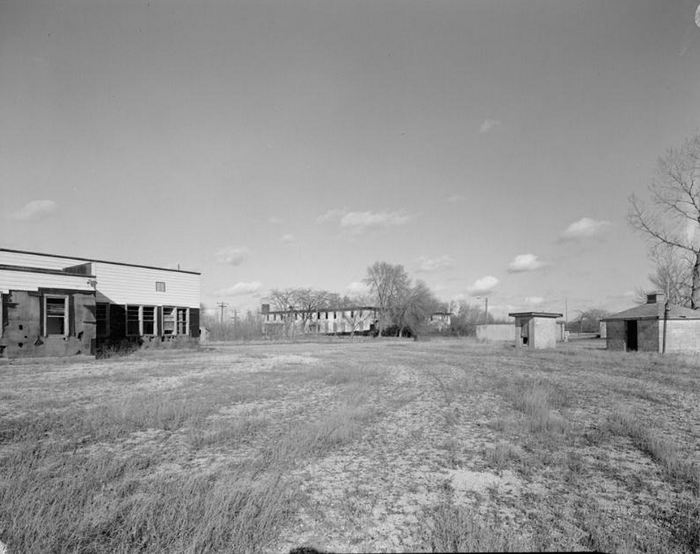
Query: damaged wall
(23, 333)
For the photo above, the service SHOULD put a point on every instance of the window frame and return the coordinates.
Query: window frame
(106, 332)
(66, 315)
(140, 308)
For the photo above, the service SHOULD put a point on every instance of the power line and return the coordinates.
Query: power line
(222, 305)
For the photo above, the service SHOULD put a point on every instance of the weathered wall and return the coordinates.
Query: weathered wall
(648, 335)
(545, 332)
(495, 332)
(682, 335)
(22, 334)
(615, 335)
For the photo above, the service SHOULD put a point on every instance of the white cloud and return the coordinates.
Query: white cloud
(435, 264)
(357, 288)
(359, 222)
(274, 220)
(288, 238)
(483, 286)
(488, 124)
(240, 289)
(331, 215)
(525, 262)
(534, 300)
(584, 228)
(232, 255)
(455, 198)
(36, 209)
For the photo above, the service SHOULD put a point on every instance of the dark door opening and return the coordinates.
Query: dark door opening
(631, 335)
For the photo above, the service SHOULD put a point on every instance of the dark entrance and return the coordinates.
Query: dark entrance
(631, 334)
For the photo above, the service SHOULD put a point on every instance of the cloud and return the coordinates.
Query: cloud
(359, 222)
(533, 300)
(287, 238)
(240, 289)
(455, 198)
(483, 286)
(331, 215)
(357, 288)
(232, 255)
(274, 220)
(488, 125)
(525, 262)
(435, 264)
(36, 209)
(584, 228)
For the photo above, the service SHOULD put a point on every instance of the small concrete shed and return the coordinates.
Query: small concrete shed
(536, 329)
(654, 327)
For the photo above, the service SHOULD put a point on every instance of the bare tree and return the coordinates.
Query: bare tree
(672, 220)
(415, 307)
(673, 276)
(388, 284)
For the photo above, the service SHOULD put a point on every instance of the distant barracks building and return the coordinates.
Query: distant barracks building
(62, 306)
(360, 320)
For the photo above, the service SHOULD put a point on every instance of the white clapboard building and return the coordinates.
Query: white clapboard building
(59, 305)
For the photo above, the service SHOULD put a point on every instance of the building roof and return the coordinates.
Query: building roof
(535, 314)
(655, 311)
(303, 310)
(96, 261)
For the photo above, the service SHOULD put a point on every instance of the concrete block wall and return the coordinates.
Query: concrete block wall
(545, 332)
(495, 332)
(615, 338)
(682, 335)
(22, 333)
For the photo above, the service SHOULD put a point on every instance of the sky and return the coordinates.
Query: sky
(490, 147)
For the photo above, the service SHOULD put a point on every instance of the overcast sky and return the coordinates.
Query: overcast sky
(488, 146)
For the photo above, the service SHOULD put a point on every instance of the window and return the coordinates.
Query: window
(141, 320)
(133, 316)
(168, 321)
(102, 319)
(160, 286)
(183, 320)
(148, 320)
(55, 315)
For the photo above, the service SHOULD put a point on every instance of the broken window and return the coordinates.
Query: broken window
(168, 321)
(102, 319)
(148, 320)
(56, 315)
(133, 320)
(183, 315)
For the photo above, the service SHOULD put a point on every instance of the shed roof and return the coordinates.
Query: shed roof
(655, 311)
(535, 314)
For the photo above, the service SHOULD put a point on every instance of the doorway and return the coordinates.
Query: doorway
(631, 335)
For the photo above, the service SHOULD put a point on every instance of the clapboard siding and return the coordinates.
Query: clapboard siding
(31, 281)
(26, 259)
(119, 284)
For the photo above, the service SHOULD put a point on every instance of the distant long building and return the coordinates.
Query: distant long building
(323, 321)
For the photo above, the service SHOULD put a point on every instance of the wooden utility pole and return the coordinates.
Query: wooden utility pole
(222, 305)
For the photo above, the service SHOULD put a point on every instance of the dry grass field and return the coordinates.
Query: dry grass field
(352, 446)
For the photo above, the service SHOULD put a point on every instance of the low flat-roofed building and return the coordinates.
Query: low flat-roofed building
(654, 327)
(56, 305)
(536, 329)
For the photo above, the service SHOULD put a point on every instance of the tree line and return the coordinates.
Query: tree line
(404, 308)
